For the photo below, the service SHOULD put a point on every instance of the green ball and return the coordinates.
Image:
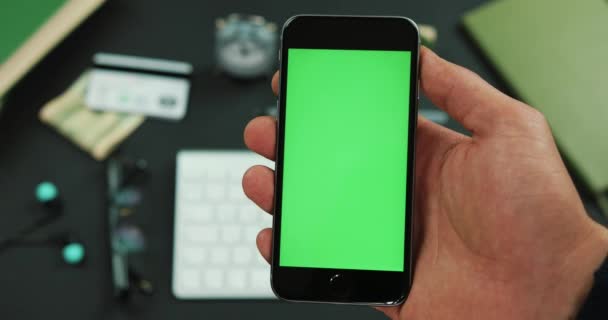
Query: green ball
(73, 253)
(46, 191)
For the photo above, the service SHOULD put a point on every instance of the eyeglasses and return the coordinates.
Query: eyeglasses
(126, 238)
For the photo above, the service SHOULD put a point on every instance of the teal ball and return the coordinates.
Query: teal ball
(46, 191)
(73, 253)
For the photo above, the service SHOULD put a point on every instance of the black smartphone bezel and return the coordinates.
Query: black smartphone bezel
(340, 285)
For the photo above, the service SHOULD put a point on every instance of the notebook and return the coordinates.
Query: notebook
(554, 54)
(29, 29)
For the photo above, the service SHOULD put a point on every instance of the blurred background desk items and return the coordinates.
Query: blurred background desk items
(219, 108)
(124, 177)
(97, 133)
(246, 46)
(137, 85)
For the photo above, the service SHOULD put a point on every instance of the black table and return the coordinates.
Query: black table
(33, 281)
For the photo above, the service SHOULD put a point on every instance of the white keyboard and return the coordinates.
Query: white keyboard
(215, 255)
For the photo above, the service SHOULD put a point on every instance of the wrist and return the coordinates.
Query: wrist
(580, 265)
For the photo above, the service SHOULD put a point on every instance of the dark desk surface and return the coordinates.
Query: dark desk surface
(33, 282)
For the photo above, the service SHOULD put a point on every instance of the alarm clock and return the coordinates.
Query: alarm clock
(246, 46)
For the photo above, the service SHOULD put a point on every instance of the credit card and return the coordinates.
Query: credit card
(137, 85)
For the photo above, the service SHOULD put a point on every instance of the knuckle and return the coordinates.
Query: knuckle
(521, 116)
(533, 119)
(535, 115)
(536, 118)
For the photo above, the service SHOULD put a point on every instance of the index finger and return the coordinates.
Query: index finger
(275, 83)
(461, 93)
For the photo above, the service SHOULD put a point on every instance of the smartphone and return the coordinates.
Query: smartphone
(342, 227)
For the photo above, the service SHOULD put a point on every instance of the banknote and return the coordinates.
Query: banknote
(96, 132)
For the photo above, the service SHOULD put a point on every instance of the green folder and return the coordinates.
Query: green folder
(554, 54)
(30, 29)
(19, 19)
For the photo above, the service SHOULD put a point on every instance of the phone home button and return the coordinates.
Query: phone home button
(338, 285)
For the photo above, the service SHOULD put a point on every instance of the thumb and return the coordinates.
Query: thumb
(464, 95)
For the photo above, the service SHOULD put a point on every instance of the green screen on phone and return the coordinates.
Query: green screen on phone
(345, 159)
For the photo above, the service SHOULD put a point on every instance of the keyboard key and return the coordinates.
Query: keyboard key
(191, 192)
(251, 233)
(236, 176)
(220, 256)
(237, 279)
(217, 174)
(227, 213)
(247, 213)
(260, 278)
(190, 279)
(201, 213)
(194, 255)
(265, 219)
(213, 278)
(216, 191)
(189, 176)
(231, 234)
(236, 193)
(242, 255)
(202, 234)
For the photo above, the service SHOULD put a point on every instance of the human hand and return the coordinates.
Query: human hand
(500, 230)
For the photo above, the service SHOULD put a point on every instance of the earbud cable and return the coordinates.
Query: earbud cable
(10, 241)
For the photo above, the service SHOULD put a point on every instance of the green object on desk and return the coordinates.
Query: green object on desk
(554, 54)
(30, 29)
(19, 19)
